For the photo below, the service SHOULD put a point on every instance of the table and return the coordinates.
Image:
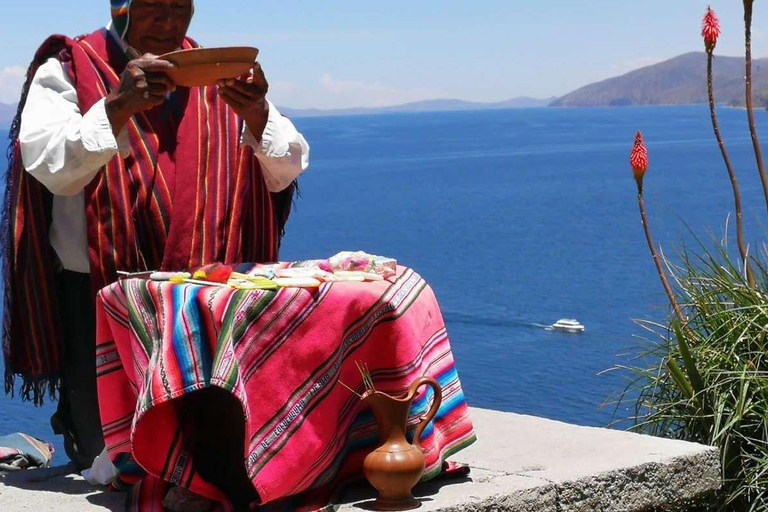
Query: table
(281, 354)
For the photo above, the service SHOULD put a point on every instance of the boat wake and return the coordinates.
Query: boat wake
(462, 318)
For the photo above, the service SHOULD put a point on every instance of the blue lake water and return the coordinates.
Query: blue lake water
(517, 218)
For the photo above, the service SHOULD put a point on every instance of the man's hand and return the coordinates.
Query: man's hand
(143, 85)
(247, 97)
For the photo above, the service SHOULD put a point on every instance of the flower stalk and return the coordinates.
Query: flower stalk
(748, 5)
(710, 31)
(638, 159)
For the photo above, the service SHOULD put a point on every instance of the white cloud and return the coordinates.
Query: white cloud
(11, 81)
(280, 87)
(329, 92)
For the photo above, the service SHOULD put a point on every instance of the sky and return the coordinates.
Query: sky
(342, 53)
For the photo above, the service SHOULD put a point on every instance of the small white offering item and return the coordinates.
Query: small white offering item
(347, 278)
(355, 275)
(167, 276)
(267, 271)
(297, 282)
(312, 272)
(203, 283)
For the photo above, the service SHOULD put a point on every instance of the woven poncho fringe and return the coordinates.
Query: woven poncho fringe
(45, 377)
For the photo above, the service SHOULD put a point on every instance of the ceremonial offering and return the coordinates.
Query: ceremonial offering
(206, 66)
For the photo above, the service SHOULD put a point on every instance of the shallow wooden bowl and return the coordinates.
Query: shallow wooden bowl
(205, 66)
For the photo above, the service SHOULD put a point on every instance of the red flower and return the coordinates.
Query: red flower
(710, 29)
(638, 158)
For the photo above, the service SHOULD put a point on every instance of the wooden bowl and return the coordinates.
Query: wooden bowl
(206, 66)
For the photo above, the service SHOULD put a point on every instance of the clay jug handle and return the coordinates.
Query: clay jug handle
(429, 381)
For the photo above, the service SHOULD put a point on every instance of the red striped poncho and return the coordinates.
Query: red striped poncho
(189, 194)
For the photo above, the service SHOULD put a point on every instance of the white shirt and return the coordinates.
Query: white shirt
(64, 150)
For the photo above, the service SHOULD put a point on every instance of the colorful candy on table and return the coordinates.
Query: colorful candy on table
(345, 266)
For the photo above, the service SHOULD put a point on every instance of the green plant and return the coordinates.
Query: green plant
(707, 380)
(703, 375)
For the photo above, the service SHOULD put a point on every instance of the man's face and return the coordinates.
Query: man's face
(158, 26)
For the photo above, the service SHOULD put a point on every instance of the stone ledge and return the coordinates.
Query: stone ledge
(519, 463)
(523, 463)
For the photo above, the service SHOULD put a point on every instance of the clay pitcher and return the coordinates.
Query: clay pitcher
(397, 465)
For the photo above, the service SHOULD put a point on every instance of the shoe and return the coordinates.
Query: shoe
(70, 445)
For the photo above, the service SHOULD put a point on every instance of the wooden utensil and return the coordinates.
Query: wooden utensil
(206, 66)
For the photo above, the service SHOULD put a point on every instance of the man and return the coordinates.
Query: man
(114, 169)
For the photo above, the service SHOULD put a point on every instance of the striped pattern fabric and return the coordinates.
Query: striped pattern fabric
(282, 354)
(7, 453)
(189, 194)
(120, 15)
(31, 321)
(21, 451)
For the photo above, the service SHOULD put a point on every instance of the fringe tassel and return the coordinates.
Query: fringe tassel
(6, 234)
(9, 381)
(33, 390)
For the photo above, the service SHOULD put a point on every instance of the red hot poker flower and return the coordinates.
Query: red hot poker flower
(710, 29)
(638, 159)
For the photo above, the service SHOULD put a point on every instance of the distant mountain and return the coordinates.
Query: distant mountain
(677, 81)
(420, 106)
(7, 112)
(524, 102)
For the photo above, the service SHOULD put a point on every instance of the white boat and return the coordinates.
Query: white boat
(567, 325)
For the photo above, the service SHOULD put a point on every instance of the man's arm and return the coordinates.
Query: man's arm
(61, 147)
(282, 151)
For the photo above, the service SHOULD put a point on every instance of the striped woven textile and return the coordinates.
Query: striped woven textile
(282, 355)
(187, 195)
(21, 451)
(120, 15)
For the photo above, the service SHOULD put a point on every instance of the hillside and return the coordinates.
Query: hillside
(8, 111)
(680, 80)
(419, 106)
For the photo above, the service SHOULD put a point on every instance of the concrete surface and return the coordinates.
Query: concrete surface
(55, 489)
(520, 463)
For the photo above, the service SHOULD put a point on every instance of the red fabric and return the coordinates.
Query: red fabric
(281, 354)
(187, 195)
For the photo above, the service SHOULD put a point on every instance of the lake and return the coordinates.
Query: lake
(517, 218)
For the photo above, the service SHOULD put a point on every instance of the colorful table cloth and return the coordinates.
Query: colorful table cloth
(281, 354)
